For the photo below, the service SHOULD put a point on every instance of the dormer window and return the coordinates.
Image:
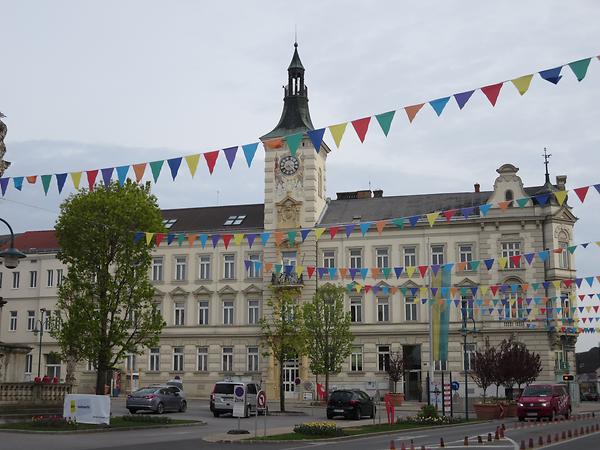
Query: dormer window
(234, 220)
(168, 223)
(509, 197)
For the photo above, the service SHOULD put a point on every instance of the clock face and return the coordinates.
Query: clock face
(289, 165)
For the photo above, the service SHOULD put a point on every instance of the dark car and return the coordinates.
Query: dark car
(350, 403)
(590, 396)
(544, 400)
(156, 398)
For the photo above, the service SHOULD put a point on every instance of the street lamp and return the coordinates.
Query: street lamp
(11, 255)
(39, 328)
(464, 331)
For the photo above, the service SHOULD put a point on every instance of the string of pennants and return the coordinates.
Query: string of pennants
(347, 229)
(337, 131)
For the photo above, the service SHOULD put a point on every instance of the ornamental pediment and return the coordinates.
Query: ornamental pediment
(202, 290)
(227, 290)
(178, 292)
(410, 284)
(252, 289)
(466, 282)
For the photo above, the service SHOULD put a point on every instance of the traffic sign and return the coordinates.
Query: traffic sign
(568, 377)
(239, 401)
(455, 385)
(261, 399)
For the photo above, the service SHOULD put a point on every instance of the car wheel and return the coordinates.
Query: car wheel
(356, 415)
(521, 419)
(183, 406)
(160, 408)
(372, 416)
(329, 416)
(215, 413)
(132, 410)
(567, 414)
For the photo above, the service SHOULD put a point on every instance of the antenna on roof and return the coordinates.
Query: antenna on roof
(547, 156)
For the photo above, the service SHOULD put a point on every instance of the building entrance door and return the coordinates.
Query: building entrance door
(290, 373)
(412, 380)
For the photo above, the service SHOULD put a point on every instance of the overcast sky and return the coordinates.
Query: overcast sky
(95, 84)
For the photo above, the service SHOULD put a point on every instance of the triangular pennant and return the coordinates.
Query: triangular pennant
(413, 220)
(423, 270)
(107, 175)
(522, 83)
(529, 257)
(474, 265)
(139, 170)
(268, 267)
(310, 270)
(439, 104)
(304, 234)
(237, 238)
(398, 271)
(349, 228)
(158, 237)
(385, 121)
(227, 239)
(61, 178)
(319, 232)
(364, 272)
(504, 205)
(551, 75)
(155, 167)
(18, 182)
(272, 144)
(31, 179)
(215, 239)
(170, 238)
(466, 212)
(293, 142)
(249, 152)
(192, 163)
(492, 91)
(292, 237)
(410, 270)
(580, 68)
(343, 272)
(361, 126)
(543, 255)
(230, 155)
(333, 231)
(386, 272)
(4, 184)
(149, 237)
(484, 209)
(122, 174)
(374, 272)
(364, 227)
(380, 225)
(411, 111)
(581, 193)
(211, 160)
(250, 237)
(431, 218)
(91, 177)
(174, 164)
(521, 202)
(278, 238)
(337, 132)
(462, 98)
(316, 137)
(180, 239)
(542, 199)
(561, 196)
(399, 222)
(45, 183)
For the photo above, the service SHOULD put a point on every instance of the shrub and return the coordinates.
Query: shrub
(53, 422)
(144, 418)
(318, 429)
(422, 420)
(428, 412)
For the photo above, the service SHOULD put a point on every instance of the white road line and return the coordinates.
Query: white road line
(515, 445)
(569, 440)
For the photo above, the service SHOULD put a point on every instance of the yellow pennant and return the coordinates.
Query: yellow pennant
(561, 196)
(598, 243)
(192, 162)
(424, 292)
(483, 290)
(556, 284)
(319, 232)
(431, 218)
(357, 287)
(522, 83)
(299, 270)
(337, 132)
(410, 270)
(149, 237)
(76, 177)
(502, 261)
(237, 238)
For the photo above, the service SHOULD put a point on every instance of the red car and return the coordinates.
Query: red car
(544, 400)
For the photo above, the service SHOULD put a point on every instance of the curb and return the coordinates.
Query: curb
(103, 430)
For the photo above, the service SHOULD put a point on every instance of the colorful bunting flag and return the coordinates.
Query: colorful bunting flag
(522, 83)
(492, 91)
(361, 126)
(385, 121)
(249, 152)
(337, 132)
(211, 160)
(462, 98)
(411, 111)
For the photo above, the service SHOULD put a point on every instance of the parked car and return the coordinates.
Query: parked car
(222, 397)
(590, 396)
(157, 398)
(350, 403)
(544, 400)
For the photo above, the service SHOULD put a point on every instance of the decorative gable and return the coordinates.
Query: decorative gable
(227, 290)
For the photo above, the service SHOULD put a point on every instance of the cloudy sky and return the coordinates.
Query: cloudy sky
(97, 84)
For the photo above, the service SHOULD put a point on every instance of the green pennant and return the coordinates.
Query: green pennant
(291, 237)
(572, 249)
(385, 121)
(156, 166)
(522, 202)
(403, 290)
(580, 68)
(46, 182)
(386, 272)
(180, 239)
(474, 264)
(535, 286)
(399, 223)
(293, 142)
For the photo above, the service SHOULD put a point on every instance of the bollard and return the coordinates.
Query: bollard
(549, 439)
(412, 445)
(402, 446)
(581, 431)
(587, 430)
(497, 434)
(466, 441)
(442, 445)
(530, 443)
(569, 434)
(501, 433)
(479, 439)
(576, 433)
(503, 427)
(489, 439)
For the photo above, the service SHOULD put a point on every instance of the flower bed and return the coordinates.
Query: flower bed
(318, 429)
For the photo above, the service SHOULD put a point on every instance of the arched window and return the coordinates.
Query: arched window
(513, 308)
(509, 197)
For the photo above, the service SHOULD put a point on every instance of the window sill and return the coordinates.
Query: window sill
(176, 372)
(227, 280)
(159, 282)
(356, 374)
(512, 269)
(179, 281)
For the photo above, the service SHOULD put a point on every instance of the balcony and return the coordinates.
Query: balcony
(287, 280)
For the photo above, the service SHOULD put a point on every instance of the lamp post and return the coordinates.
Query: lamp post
(464, 331)
(11, 255)
(39, 329)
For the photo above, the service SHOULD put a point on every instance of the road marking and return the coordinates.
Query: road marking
(570, 440)
(515, 445)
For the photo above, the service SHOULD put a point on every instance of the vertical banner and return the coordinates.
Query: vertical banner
(440, 316)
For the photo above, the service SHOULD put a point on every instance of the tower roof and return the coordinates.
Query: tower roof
(296, 63)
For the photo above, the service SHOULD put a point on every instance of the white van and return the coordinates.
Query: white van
(222, 397)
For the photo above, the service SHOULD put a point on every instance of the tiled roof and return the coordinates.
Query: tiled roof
(213, 218)
(35, 241)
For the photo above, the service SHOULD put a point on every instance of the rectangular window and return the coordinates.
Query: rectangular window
(253, 312)
(356, 359)
(513, 308)
(383, 310)
(13, 321)
(356, 309)
(234, 220)
(91, 367)
(253, 270)
(47, 319)
(229, 267)
(203, 312)
(15, 280)
(328, 259)
(469, 351)
(511, 249)
(565, 304)
(410, 309)
(202, 360)
(383, 357)
(437, 254)
(154, 359)
(50, 278)
(59, 277)
(439, 366)
(227, 359)
(179, 310)
(28, 364)
(131, 362)
(178, 353)
(33, 278)
(252, 359)
(204, 267)
(157, 269)
(563, 257)
(356, 258)
(467, 307)
(382, 258)
(30, 320)
(410, 256)
(180, 268)
(53, 365)
(288, 258)
(465, 253)
(227, 312)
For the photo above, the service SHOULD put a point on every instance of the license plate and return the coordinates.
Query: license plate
(338, 410)
(532, 414)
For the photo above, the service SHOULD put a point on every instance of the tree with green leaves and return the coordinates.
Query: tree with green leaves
(282, 330)
(327, 329)
(105, 302)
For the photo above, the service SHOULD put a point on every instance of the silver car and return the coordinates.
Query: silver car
(157, 398)
(222, 397)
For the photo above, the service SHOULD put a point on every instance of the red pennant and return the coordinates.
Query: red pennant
(543, 310)
(581, 296)
(582, 192)
(516, 260)
(492, 91)
(91, 176)
(367, 288)
(158, 237)
(595, 308)
(449, 214)
(567, 283)
(226, 239)
(423, 270)
(557, 250)
(333, 231)
(211, 160)
(494, 289)
(310, 270)
(361, 126)
(380, 224)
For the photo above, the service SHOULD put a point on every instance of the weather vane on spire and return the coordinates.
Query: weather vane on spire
(547, 156)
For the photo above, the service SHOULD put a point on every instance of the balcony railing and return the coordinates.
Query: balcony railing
(287, 279)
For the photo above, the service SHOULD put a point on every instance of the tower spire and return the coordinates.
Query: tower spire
(547, 156)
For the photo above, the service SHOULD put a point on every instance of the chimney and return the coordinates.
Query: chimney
(378, 193)
(476, 186)
(561, 181)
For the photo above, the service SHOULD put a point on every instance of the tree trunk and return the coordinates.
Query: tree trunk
(100, 379)
(327, 386)
(281, 388)
(70, 375)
